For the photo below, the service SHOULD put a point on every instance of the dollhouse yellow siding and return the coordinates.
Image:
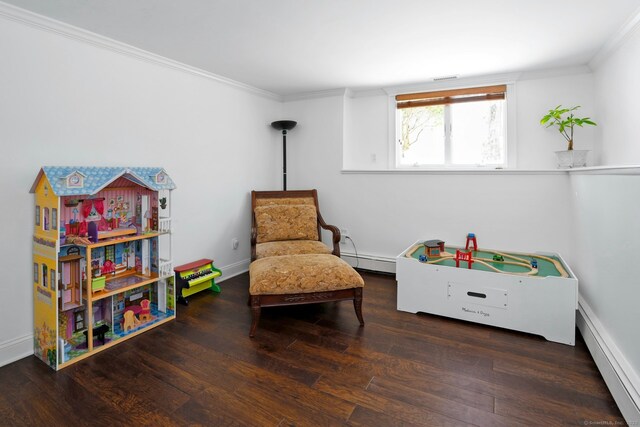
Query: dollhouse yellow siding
(45, 271)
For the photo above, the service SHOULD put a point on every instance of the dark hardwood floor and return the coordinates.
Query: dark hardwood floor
(313, 365)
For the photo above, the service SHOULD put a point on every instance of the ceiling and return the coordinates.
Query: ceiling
(298, 46)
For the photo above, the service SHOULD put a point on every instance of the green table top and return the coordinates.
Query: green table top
(514, 263)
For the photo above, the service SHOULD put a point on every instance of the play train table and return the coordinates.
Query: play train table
(529, 292)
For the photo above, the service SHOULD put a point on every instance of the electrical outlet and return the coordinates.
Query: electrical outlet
(344, 233)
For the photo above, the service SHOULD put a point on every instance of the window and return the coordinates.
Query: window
(45, 223)
(460, 127)
(110, 253)
(37, 215)
(78, 318)
(54, 218)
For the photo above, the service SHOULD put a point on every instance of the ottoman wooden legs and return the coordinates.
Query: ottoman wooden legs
(259, 301)
(357, 304)
(255, 313)
(302, 279)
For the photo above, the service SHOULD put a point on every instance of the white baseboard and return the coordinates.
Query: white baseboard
(620, 377)
(232, 270)
(370, 262)
(16, 349)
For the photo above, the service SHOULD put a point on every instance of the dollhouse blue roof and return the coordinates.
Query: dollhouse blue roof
(97, 178)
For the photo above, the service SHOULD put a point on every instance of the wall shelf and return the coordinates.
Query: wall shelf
(603, 170)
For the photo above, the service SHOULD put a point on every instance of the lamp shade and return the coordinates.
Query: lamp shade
(284, 124)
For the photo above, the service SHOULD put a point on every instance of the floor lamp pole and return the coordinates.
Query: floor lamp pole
(284, 159)
(284, 126)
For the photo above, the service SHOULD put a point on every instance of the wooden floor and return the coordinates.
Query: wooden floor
(313, 365)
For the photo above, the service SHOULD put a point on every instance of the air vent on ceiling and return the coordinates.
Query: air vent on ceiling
(437, 79)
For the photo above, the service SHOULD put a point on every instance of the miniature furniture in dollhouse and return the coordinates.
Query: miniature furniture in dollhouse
(97, 258)
(129, 320)
(290, 265)
(98, 332)
(195, 277)
(288, 223)
(145, 311)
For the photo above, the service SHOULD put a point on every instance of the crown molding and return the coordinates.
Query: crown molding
(317, 94)
(40, 22)
(471, 81)
(614, 42)
(364, 93)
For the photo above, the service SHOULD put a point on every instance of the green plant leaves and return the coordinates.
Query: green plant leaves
(557, 117)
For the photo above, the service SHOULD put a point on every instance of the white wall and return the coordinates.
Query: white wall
(66, 102)
(617, 94)
(367, 131)
(536, 144)
(607, 228)
(606, 232)
(606, 239)
(386, 212)
(592, 220)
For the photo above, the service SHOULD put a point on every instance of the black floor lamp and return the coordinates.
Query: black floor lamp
(284, 126)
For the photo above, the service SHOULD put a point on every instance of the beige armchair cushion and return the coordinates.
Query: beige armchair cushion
(286, 222)
(291, 274)
(291, 247)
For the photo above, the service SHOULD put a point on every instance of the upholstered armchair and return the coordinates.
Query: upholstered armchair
(288, 223)
(289, 263)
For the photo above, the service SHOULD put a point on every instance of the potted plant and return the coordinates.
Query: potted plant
(565, 120)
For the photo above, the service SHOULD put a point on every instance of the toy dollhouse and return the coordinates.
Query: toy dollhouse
(102, 269)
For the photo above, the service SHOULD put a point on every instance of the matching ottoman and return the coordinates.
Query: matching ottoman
(302, 279)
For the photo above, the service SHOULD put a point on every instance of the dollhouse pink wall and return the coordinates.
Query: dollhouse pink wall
(120, 192)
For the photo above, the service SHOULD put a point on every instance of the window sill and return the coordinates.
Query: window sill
(593, 170)
(607, 170)
(454, 171)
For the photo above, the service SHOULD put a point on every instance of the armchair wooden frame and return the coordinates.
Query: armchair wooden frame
(256, 302)
(285, 195)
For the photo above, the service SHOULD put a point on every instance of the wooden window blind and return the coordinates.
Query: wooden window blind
(454, 96)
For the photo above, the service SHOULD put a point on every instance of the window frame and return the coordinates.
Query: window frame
(510, 134)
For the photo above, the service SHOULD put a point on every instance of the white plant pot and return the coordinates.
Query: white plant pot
(572, 158)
